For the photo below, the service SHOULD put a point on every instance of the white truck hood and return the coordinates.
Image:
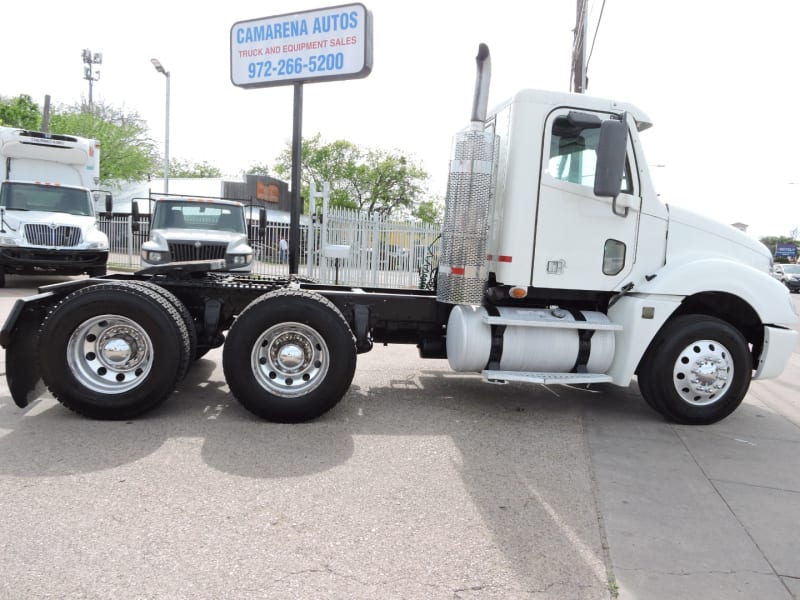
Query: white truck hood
(692, 233)
(14, 219)
(163, 236)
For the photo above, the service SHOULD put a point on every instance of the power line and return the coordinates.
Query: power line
(596, 29)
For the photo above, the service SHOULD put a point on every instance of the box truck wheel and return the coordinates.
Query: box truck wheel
(113, 350)
(290, 356)
(697, 370)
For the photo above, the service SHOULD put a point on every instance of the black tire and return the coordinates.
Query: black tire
(290, 356)
(696, 371)
(84, 340)
(98, 271)
(2, 277)
(188, 321)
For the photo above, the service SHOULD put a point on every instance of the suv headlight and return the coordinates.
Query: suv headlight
(8, 241)
(154, 256)
(239, 260)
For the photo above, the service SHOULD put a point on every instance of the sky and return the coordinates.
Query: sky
(717, 78)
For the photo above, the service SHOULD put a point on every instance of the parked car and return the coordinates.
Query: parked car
(792, 277)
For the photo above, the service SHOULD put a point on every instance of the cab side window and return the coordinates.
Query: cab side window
(573, 154)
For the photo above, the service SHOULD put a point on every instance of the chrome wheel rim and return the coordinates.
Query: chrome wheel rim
(703, 372)
(110, 354)
(290, 359)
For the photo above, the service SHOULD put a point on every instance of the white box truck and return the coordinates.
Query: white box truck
(48, 222)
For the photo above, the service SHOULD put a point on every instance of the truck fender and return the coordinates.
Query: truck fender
(767, 296)
(644, 311)
(641, 317)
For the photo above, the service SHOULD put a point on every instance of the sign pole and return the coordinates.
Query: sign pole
(296, 198)
(324, 44)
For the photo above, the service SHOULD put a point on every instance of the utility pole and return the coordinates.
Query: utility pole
(579, 49)
(46, 114)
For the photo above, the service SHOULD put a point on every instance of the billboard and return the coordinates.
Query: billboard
(315, 45)
(786, 250)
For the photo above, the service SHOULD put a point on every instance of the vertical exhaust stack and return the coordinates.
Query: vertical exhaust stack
(480, 99)
(470, 186)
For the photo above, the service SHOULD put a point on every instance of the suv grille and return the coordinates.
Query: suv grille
(181, 251)
(44, 235)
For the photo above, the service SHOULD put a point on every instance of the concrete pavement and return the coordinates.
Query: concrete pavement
(702, 512)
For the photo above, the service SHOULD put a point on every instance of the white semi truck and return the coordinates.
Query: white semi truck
(48, 222)
(558, 265)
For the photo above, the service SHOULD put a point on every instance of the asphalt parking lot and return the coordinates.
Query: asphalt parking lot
(421, 483)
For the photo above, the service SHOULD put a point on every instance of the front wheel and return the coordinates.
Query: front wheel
(290, 356)
(696, 371)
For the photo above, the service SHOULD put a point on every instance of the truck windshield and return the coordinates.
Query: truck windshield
(46, 198)
(198, 215)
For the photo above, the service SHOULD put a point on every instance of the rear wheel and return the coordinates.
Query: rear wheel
(113, 350)
(696, 371)
(191, 329)
(289, 356)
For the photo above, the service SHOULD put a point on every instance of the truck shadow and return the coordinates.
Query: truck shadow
(518, 452)
(49, 440)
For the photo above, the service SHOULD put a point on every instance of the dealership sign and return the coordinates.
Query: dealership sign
(316, 45)
(786, 250)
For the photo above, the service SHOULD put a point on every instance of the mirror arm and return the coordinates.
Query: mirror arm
(614, 209)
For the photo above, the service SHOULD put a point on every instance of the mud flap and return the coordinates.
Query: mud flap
(20, 337)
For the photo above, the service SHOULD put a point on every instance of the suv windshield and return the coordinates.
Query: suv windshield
(198, 215)
(793, 269)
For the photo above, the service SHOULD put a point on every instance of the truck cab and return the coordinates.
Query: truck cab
(564, 266)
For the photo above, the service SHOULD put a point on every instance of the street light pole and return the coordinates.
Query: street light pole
(165, 73)
(91, 58)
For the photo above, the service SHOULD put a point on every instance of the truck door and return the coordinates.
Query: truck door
(582, 241)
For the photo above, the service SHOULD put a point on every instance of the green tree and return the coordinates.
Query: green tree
(21, 112)
(185, 168)
(257, 169)
(127, 153)
(370, 180)
(429, 211)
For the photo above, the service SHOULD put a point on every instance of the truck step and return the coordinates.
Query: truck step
(544, 378)
(535, 320)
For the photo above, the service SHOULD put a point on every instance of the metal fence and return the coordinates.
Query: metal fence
(347, 247)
